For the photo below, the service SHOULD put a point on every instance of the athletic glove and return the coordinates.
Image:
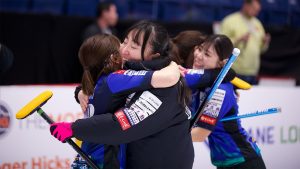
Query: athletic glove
(61, 131)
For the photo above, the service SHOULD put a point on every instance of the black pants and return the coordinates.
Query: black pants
(256, 163)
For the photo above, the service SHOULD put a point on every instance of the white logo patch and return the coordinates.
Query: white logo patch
(213, 107)
(129, 98)
(188, 112)
(90, 110)
(195, 71)
(144, 106)
(135, 73)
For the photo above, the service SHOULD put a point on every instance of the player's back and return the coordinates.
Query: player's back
(168, 143)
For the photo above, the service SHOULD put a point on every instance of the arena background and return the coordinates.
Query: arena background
(44, 36)
(28, 142)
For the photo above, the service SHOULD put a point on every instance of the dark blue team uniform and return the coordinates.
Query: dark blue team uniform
(149, 120)
(168, 124)
(146, 123)
(229, 143)
(110, 94)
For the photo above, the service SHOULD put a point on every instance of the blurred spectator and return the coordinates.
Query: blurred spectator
(187, 41)
(247, 34)
(107, 18)
(6, 60)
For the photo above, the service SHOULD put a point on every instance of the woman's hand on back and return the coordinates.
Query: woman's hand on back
(83, 100)
(182, 70)
(166, 77)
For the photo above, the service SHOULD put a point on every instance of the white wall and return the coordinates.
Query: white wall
(28, 144)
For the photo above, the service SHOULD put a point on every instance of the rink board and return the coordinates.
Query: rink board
(28, 144)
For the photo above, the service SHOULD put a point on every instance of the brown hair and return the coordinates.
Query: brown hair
(186, 41)
(174, 53)
(98, 55)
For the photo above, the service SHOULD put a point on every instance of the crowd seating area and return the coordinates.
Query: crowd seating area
(274, 12)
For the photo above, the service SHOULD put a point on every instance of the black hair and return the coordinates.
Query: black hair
(250, 1)
(103, 6)
(154, 34)
(222, 45)
(160, 42)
